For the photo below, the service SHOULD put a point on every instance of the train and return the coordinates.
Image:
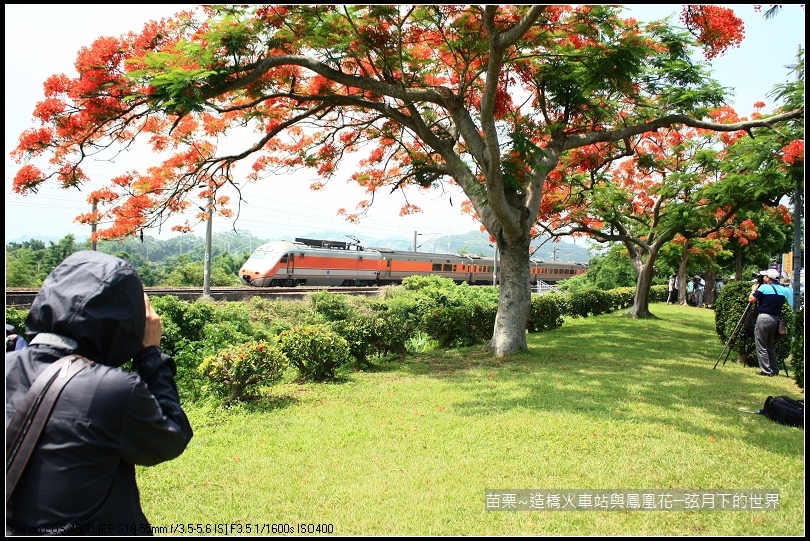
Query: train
(316, 262)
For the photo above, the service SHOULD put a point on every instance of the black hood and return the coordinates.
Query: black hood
(95, 299)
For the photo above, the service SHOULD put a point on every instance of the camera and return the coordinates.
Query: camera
(760, 278)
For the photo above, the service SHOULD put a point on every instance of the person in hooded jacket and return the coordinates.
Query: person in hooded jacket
(80, 477)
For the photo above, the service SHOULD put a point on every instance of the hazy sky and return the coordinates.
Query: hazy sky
(43, 39)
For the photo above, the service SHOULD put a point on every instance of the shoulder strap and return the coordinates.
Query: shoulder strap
(28, 421)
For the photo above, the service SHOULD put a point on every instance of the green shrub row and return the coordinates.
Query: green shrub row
(230, 351)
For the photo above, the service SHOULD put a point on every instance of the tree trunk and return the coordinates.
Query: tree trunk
(514, 299)
(683, 279)
(641, 302)
(710, 295)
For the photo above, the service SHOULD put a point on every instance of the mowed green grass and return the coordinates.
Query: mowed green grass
(411, 447)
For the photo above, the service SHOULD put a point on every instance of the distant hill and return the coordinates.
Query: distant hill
(44, 238)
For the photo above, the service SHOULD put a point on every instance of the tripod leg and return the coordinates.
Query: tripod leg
(732, 336)
(784, 365)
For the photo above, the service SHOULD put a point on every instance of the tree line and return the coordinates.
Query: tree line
(179, 261)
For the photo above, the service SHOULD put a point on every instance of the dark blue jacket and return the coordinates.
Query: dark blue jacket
(81, 476)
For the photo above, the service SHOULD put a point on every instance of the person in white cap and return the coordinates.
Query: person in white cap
(771, 296)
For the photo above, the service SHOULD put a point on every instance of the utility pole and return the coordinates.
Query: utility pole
(797, 243)
(797, 223)
(414, 241)
(207, 268)
(93, 228)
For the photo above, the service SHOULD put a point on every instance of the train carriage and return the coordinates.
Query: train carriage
(315, 262)
(552, 272)
(398, 264)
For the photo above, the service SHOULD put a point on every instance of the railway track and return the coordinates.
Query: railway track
(22, 298)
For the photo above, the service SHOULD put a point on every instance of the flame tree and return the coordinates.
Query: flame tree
(487, 97)
(680, 185)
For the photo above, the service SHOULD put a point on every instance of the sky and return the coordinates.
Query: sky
(43, 39)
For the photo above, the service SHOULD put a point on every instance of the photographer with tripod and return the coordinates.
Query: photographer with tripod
(771, 296)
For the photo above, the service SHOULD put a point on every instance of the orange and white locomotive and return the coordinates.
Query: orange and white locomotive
(314, 262)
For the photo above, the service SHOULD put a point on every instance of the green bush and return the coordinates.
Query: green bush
(623, 297)
(417, 296)
(387, 333)
(215, 336)
(419, 283)
(239, 372)
(455, 315)
(357, 334)
(195, 330)
(332, 306)
(279, 315)
(420, 342)
(178, 326)
(16, 317)
(589, 302)
(315, 350)
(547, 311)
(658, 293)
(372, 335)
(462, 325)
(797, 348)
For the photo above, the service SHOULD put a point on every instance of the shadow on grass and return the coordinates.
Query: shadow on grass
(659, 372)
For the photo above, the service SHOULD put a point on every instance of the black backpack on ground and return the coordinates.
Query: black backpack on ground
(784, 410)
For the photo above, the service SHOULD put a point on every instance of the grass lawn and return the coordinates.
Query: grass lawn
(411, 447)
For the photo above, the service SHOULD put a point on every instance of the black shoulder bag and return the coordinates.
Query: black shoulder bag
(28, 421)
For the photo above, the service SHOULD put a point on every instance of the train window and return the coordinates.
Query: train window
(448, 267)
(284, 259)
(263, 254)
(437, 266)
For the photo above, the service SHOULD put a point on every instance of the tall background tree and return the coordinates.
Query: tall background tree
(487, 97)
(679, 183)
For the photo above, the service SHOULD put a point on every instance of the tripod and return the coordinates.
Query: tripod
(734, 334)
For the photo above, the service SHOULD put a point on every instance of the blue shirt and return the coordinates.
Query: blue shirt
(771, 297)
